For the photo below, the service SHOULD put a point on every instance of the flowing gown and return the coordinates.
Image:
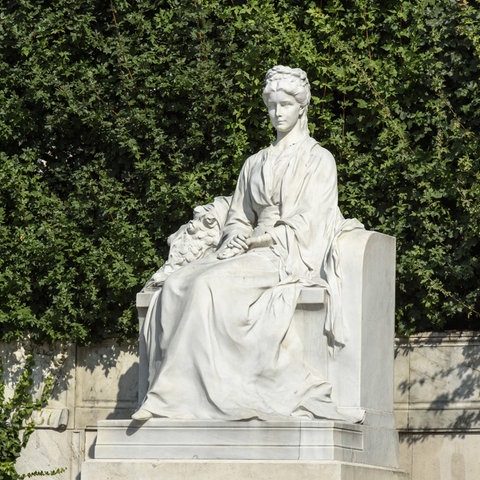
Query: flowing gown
(227, 344)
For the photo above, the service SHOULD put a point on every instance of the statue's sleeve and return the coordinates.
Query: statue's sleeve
(241, 218)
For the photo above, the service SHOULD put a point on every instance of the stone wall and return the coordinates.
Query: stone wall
(437, 404)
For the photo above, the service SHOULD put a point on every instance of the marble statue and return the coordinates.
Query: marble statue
(232, 280)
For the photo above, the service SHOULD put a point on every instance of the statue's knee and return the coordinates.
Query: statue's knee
(170, 286)
(200, 283)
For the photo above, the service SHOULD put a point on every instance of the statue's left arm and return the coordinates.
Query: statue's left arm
(309, 211)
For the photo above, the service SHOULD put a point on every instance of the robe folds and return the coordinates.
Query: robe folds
(220, 332)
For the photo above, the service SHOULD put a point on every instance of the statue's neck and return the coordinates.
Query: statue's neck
(291, 138)
(297, 134)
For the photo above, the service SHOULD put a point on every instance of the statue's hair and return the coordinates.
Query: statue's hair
(293, 81)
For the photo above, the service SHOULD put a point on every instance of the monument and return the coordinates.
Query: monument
(266, 345)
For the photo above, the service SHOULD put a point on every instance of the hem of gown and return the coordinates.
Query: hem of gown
(299, 413)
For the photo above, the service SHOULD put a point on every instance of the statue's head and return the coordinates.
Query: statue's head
(292, 81)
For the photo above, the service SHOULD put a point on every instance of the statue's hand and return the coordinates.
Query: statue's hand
(235, 246)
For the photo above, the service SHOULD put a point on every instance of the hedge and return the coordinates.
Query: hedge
(117, 118)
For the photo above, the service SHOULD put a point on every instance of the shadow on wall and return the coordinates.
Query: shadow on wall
(439, 385)
(108, 369)
(128, 382)
(56, 361)
(107, 379)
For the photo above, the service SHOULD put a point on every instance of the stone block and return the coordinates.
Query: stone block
(235, 470)
(106, 383)
(57, 361)
(440, 456)
(437, 382)
(48, 450)
(247, 440)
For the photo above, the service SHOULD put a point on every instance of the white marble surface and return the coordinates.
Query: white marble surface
(57, 361)
(362, 372)
(247, 440)
(368, 279)
(235, 470)
(224, 323)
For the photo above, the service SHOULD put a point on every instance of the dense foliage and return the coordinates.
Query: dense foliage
(116, 118)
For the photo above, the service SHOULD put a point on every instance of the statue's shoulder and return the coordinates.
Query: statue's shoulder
(317, 152)
(255, 158)
(260, 154)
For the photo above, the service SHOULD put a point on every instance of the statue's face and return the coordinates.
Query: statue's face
(284, 110)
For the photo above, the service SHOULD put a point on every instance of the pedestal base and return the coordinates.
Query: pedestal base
(233, 470)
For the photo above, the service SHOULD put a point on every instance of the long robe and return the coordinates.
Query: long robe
(228, 347)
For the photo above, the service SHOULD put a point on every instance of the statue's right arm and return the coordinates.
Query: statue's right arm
(240, 220)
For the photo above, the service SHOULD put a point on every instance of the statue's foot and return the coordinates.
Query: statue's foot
(142, 415)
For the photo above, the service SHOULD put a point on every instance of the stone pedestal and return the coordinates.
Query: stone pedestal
(361, 374)
(295, 449)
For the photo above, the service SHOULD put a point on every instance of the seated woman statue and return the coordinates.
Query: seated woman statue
(229, 347)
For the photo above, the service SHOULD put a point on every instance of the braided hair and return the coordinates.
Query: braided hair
(293, 81)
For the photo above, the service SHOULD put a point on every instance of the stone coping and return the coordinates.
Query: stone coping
(435, 338)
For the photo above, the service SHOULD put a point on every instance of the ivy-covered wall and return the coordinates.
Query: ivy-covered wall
(117, 117)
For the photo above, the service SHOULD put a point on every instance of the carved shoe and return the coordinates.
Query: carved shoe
(142, 415)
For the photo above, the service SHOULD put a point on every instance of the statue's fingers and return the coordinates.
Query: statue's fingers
(240, 243)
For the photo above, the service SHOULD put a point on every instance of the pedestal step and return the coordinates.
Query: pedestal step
(208, 450)
(253, 440)
(160, 438)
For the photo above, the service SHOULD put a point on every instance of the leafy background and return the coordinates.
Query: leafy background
(116, 118)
